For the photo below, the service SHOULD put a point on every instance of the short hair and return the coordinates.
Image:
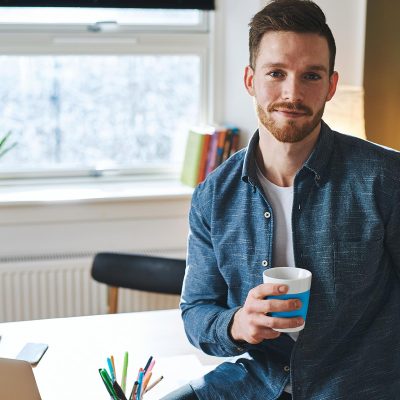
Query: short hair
(301, 16)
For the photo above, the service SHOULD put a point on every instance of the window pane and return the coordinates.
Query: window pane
(97, 111)
(44, 15)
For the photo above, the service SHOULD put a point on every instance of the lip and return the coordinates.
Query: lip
(291, 113)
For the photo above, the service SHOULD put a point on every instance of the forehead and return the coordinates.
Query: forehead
(293, 48)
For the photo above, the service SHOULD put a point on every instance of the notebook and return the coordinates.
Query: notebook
(17, 381)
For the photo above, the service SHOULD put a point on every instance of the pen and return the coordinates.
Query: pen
(110, 367)
(154, 383)
(124, 372)
(133, 392)
(148, 364)
(140, 383)
(153, 361)
(146, 380)
(118, 390)
(107, 382)
(113, 365)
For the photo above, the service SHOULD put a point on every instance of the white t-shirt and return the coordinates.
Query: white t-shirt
(281, 200)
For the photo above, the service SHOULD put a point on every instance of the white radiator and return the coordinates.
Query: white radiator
(61, 286)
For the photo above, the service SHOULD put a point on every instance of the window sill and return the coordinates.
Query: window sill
(92, 191)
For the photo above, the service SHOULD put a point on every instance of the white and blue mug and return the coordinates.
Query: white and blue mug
(298, 281)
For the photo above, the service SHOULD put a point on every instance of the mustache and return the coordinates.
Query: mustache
(290, 106)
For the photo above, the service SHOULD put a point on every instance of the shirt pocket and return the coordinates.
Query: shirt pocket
(356, 263)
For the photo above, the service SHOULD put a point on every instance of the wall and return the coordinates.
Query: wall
(382, 78)
(346, 19)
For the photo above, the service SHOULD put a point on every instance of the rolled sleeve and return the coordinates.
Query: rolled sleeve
(205, 313)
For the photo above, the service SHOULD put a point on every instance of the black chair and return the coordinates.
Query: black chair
(138, 272)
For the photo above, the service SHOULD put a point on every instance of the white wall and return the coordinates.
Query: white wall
(346, 19)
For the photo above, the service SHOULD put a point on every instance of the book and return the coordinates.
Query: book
(212, 152)
(220, 146)
(203, 158)
(235, 141)
(206, 149)
(197, 139)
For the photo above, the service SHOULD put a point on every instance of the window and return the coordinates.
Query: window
(86, 91)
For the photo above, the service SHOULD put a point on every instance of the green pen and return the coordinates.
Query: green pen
(124, 372)
(107, 381)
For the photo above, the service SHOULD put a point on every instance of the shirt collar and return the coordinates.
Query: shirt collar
(316, 163)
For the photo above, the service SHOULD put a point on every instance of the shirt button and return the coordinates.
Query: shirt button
(265, 263)
(286, 368)
(267, 214)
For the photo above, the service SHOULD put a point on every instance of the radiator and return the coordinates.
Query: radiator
(61, 286)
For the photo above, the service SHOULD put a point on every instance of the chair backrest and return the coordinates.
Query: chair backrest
(138, 272)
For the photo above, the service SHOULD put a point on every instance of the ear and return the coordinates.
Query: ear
(333, 80)
(249, 80)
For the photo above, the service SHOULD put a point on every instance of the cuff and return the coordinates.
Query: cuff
(224, 337)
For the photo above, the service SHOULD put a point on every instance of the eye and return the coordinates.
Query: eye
(312, 76)
(276, 74)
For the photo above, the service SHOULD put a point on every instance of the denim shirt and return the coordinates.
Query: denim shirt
(346, 231)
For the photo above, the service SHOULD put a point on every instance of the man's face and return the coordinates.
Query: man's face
(291, 83)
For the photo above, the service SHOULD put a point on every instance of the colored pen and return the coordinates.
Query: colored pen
(153, 361)
(118, 390)
(110, 367)
(148, 364)
(146, 380)
(113, 365)
(154, 383)
(124, 372)
(133, 392)
(107, 381)
(140, 383)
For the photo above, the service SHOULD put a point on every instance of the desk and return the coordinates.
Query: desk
(79, 346)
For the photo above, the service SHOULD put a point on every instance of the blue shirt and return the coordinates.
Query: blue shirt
(346, 231)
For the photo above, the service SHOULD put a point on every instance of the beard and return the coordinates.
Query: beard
(290, 131)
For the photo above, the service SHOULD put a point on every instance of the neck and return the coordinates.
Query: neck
(279, 162)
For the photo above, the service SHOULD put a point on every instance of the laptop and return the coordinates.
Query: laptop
(17, 381)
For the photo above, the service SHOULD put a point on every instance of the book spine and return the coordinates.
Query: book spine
(220, 148)
(227, 145)
(235, 141)
(203, 159)
(212, 153)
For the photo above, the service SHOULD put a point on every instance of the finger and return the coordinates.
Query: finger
(258, 331)
(283, 323)
(267, 289)
(275, 305)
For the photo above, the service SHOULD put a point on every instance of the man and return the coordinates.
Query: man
(300, 195)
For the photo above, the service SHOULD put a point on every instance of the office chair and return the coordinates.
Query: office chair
(138, 272)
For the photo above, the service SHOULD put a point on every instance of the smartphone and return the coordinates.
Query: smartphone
(32, 352)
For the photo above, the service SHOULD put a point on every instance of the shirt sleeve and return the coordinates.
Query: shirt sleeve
(205, 314)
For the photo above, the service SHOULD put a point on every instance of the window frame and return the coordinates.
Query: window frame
(76, 39)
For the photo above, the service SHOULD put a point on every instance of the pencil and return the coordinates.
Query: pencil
(133, 392)
(146, 380)
(153, 361)
(124, 372)
(140, 385)
(113, 365)
(154, 383)
(148, 364)
(110, 367)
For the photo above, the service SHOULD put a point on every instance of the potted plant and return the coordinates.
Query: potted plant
(3, 145)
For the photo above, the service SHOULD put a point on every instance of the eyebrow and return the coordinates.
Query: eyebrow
(316, 67)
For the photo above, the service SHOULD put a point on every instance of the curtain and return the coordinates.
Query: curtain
(174, 4)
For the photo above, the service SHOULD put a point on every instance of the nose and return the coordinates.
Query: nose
(292, 90)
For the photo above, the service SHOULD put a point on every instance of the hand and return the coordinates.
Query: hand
(251, 323)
